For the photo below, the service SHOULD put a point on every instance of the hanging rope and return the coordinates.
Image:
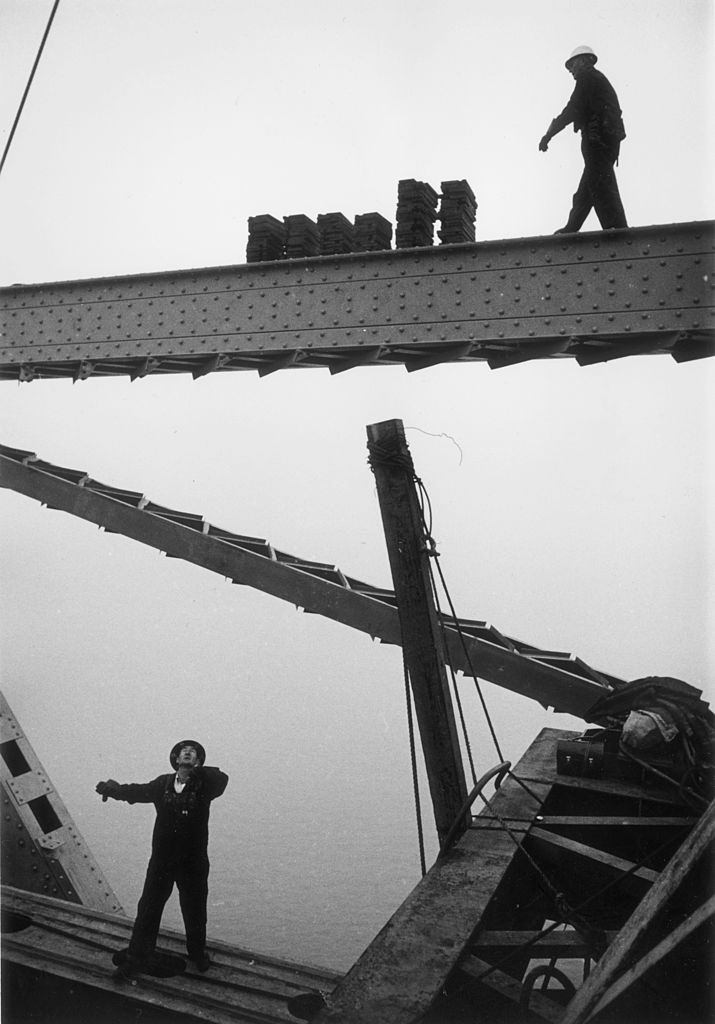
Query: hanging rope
(27, 87)
(380, 454)
(564, 912)
(433, 550)
(431, 546)
(458, 701)
(415, 778)
(424, 500)
(577, 910)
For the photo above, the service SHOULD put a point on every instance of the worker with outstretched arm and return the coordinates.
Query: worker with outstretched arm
(179, 852)
(594, 111)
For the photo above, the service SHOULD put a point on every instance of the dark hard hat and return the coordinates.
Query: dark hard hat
(175, 750)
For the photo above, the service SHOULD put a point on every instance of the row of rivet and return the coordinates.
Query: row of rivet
(364, 264)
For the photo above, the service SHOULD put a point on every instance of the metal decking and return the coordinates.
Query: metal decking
(71, 947)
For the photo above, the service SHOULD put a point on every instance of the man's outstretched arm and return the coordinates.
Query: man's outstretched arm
(132, 792)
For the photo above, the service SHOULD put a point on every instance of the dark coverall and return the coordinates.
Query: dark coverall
(178, 855)
(594, 111)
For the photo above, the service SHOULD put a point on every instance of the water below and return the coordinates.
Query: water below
(313, 846)
(311, 881)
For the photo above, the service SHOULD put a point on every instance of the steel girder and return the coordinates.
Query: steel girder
(42, 849)
(593, 297)
(554, 679)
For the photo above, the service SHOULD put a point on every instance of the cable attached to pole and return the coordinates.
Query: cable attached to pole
(428, 529)
(27, 87)
(415, 776)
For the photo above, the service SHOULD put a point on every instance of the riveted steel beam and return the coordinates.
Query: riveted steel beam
(501, 302)
(553, 678)
(42, 851)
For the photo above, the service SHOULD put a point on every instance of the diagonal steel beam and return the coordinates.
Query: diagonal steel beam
(553, 678)
(502, 302)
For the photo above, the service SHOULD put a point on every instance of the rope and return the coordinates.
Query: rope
(499, 770)
(415, 778)
(594, 938)
(27, 87)
(389, 455)
(455, 690)
(550, 889)
(393, 455)
(432, 549)
(687, 794)
(576, 910)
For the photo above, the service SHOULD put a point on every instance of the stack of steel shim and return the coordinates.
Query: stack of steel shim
(266, 239)
(416, 214)
(302, 236)
(336, 234)
(457, 212)
(373, 233)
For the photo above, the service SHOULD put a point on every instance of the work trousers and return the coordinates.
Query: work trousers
(598, 188)
(191, 878)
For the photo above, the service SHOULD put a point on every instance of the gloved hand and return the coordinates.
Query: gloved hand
(107, 789)
(544, 144)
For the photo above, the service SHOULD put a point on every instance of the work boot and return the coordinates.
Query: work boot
(306, 1006)
(202, 962)
(126, 972)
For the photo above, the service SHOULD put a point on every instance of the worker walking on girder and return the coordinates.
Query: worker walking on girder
(594, 111)
(179, 852)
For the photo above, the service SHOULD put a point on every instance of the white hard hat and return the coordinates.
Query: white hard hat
(582, 51)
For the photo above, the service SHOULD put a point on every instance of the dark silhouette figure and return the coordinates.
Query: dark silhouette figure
(179, 853)
(594, 111)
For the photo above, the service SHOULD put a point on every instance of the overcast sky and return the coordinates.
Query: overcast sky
(572, 505)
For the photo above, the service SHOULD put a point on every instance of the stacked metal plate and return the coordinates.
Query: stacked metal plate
(416, 214)
(457, 212)
(302, 236)
(336, 234)
(373, 233)
(266, 239)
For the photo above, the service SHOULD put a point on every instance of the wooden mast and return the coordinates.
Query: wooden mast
(421, 635)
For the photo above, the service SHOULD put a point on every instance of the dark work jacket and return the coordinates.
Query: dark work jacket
(181, 828)
(593, 109)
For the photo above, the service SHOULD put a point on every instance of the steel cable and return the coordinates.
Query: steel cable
(27, 87)
(415, 777)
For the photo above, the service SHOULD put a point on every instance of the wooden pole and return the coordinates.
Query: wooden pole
(421, 635)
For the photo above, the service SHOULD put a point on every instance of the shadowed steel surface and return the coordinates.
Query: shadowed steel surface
(70, 948)
(553, 678)
(593, 297)
(628, 958)
(42, 849)
(403, 970)
(502, 886)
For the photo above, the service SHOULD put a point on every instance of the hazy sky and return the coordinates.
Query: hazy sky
(572, 505)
